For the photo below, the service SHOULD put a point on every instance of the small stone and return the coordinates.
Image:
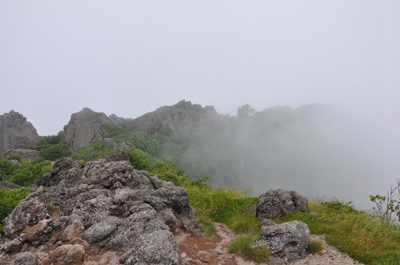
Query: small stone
(183, 255)
(322, 252)
(220, 252)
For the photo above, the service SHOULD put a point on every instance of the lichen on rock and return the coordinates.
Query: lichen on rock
(104, 205)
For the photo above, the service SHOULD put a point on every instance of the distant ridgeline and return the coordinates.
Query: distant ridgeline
(197, 138)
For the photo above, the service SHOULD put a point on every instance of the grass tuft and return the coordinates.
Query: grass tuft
(242, 244)
(315, 247)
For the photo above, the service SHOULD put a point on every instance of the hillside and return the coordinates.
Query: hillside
(278, 146)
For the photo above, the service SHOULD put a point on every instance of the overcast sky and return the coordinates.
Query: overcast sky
(131, 57)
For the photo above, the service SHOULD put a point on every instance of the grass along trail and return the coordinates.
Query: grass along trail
(198, 249)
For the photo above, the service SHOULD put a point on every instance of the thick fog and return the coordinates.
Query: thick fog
(319, 151)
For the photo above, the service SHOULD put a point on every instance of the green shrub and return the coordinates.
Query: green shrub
(55, 151)
(6, 169)
(9, 199)
(141, 160)
(91, 152)
(29, 172)
(134, 138)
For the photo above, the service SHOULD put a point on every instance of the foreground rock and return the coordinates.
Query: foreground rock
(105, 205)
(278, 203)
(286, 242)
(16, 131)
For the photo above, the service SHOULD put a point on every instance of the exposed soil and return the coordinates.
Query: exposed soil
(197, 249)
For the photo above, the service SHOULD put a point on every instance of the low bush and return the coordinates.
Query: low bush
(28, 173)
(91, 152)
(9, 199)
(55, 151)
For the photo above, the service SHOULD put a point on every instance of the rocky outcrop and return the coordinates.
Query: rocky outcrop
(85, 127)
(105, 205)
(278, 203)
(9, 185)
(286, 242)
(23, 153)
(112, 145)
(16, 131)
(183, 117)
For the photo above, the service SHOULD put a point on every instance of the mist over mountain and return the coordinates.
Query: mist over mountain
(316, 150)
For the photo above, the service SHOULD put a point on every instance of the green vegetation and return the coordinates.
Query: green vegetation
(9, 199)
(368, 238)
(315, 247)
(134, 138)
(242, 244)
(363, 236)
(27, 174)
(388, 207)
(91, 152)
(51, 147)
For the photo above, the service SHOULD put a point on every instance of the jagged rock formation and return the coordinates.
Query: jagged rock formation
(182, 117)
(278, 203)
(286, 242)
(85, 127)
(106, 205)
(16, 131)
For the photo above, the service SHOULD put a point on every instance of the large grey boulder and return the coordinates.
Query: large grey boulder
(16, 131)
(104, 205)
(85, 127)
(286, 242)
(23, 153)
(278, 203)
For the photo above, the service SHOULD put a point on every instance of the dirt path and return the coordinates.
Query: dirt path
(214, 251)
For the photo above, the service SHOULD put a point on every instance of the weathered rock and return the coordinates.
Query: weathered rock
(23, 153)
(182, 117)
(16, 131)
(9, 185)
(68, 255)
(63, 168)
(158, 247)
(26, 258)
(85, 127)
(15, 162)
(267, 222)
(287, 241)
(105, 204)
(112, 145)
(12, 246)
(28, 213)
(278, 203)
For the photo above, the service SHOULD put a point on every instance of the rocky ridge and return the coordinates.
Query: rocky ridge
(81, 211)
